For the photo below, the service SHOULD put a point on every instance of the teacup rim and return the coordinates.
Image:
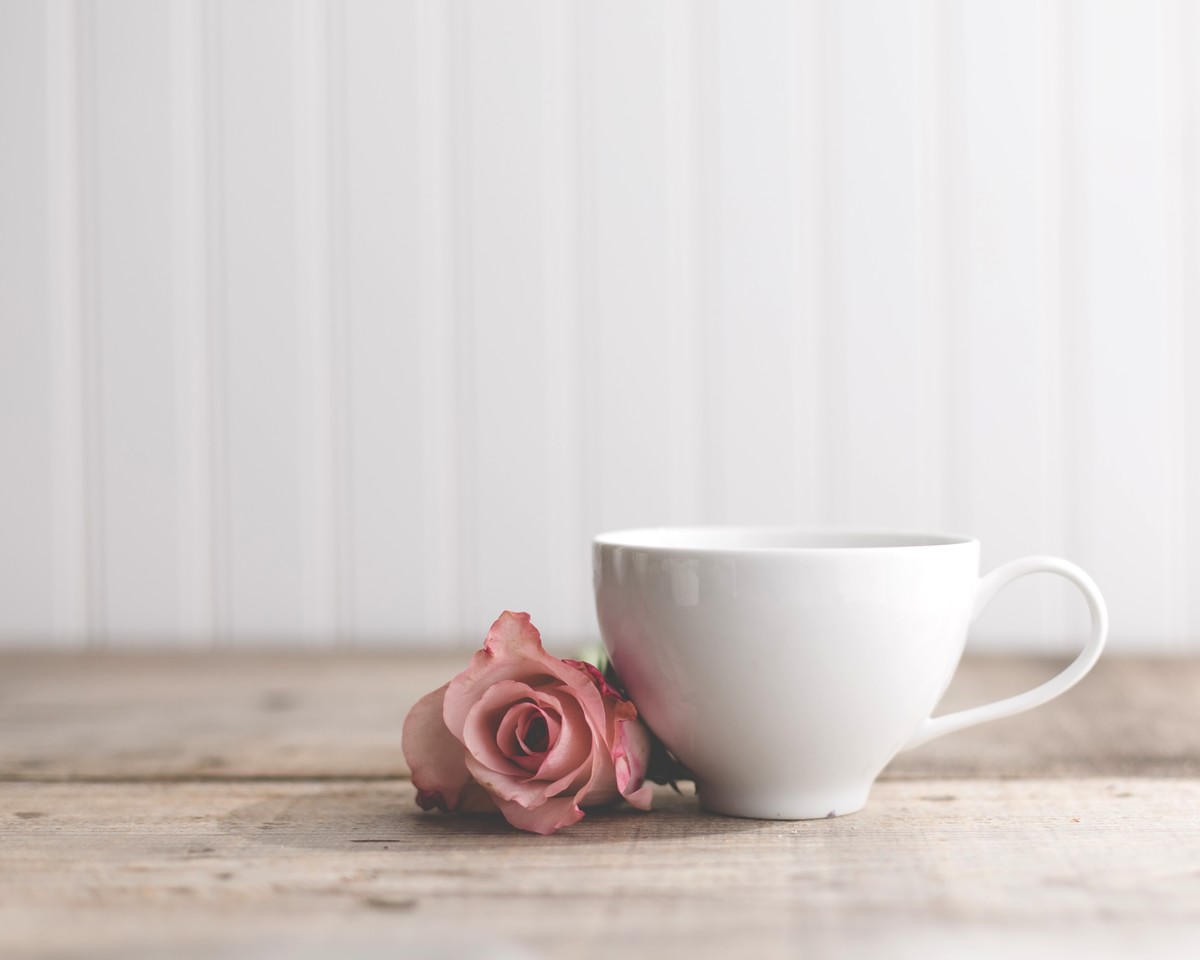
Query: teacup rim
(641, 538)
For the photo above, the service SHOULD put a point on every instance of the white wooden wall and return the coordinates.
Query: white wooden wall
(350, 321)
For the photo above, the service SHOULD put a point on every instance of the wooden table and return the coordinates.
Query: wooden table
(257, 805)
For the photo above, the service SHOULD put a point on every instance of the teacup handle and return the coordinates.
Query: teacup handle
(988, 587)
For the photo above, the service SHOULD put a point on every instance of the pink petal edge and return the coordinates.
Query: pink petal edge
(512, 651)
(435, 757)
(592, 672)
(546, 818)
(631, 753)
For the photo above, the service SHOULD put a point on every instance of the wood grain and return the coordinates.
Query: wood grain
(162, 716)
(976, 867)
(241, 805)
(255, 716)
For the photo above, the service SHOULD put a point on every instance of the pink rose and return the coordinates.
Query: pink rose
(523, 732)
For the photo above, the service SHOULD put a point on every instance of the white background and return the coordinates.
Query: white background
(347, 321)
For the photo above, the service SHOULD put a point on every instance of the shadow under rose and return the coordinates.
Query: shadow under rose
(375, 816)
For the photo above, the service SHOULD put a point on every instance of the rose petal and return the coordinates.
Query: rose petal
(434, 755)
(631, 753)
(513, 727)
(523, 788)
(545, 818)
(502, 775)
(513, 635)
(479, 734)
(601, 787)
(642, 798)
(575, 739)
(592, 672)
(568, 763)
(538, 732)
(513, 651)
(604, 786)
(506, 734)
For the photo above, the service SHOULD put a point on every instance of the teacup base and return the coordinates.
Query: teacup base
(815, 805)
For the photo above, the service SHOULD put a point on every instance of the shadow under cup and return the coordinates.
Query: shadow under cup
(785, 668)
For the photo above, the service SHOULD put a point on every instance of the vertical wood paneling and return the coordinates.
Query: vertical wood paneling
(27, 579)
(319, 344)
(1186, 41)
(90, 347)
(633, 445)
(1124, 437)
(1179, 177)
(1075, 384)
(345, 320)
(463, 397)
(687, 133)
(1000, 428)
(807, 25)
(134, 350)
(504, 310)
(192, 360)
(439, 375)
(390, 273)
(1058, 288)
(264, 334)
(886, 465)
(216, 303)
(702, 366)
(755, 416)
(939, 253)
(566, 595)
(340, 352)
(64, 294)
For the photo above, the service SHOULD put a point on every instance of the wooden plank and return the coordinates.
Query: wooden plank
(937, 867)
(157, 716)
(164, 716)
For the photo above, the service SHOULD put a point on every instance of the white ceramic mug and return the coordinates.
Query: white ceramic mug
(785, 668)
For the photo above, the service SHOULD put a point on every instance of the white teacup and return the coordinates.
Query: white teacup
(785, 668)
